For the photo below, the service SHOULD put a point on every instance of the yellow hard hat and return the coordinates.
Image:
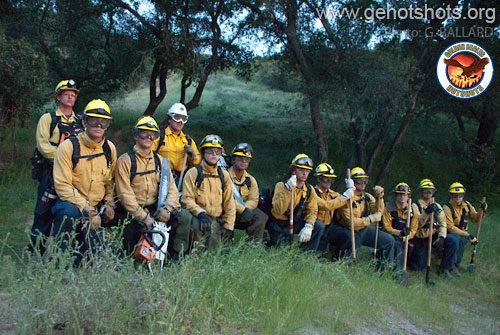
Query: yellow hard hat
(65, 85)
(97, 108)
(426, 184)
(325, 170)
(147, 123)
(302, 161)
(243, 150)
(456, 187)
(358, 172)
(402, 188)
(212, 141)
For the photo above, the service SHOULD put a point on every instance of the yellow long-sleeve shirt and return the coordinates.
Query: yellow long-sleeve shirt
(91, 180)
(282, 198)
(143, 191)
(173, 149)
(209, 197)
(401, 214)
(423, 218)
(452, 224)
(46, 144)
(250, 196)
(359, 219)
(328, 202)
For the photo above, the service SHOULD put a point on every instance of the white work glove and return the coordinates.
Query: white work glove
(305, 233)
(349, 183)
(348, 194)
(291, 183)
(378, 191)
(375, 217)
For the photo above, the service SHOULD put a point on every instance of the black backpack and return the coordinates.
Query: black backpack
(75, 157)
(162, 140)
(133, 165)
(266, 201)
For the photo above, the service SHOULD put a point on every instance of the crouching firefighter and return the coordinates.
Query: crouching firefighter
(395, 222)
(137, 178)
(246, 194)
(83, 178)
(328, 202)
(458, 212)
(52, 129)
(440, 241)
(208, 195)
(366, 209)
(296, 197)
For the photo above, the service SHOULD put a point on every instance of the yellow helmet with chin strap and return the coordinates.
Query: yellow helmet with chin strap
(324, 170)
(97, 108)
(65, 85)
(302, 161)
(243, 150)
(211, 141)
(426, 184)
(146, 123)
(457, 187)
(358, 172)
(402, 188)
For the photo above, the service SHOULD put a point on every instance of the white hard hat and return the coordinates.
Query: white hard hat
(178, 109)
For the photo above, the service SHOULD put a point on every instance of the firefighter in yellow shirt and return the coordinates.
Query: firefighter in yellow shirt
(137, 177)
(395, 219)
(83, 179)
(328, 202)
(440, 240)
(208, 195)
(364, 213)
(305, 208)
(174, 144)
(458, 212)
(52, 129)
(246, 194)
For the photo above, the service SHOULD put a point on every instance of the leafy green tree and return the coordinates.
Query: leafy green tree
(194, 38)
(22, 71)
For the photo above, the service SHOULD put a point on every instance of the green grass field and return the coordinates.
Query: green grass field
(248, 289)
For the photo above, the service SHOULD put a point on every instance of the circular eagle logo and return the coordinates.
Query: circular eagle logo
(464, 70)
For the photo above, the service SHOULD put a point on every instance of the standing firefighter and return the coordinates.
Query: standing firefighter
(174, 144)
(439, 238)
(328, 202)
(83, 178)
(137, 177)
(52, 129)
(208, 195)
(246, 194)
(365, 212)
(458, 212)
(395, 221)
(305, 208)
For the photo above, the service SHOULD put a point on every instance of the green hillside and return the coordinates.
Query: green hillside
(246, 289)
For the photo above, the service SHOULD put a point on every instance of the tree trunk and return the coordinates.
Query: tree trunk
(195, 101)
(488, 124)
(159, 72)
(380, 141)
(403, 127)
(318, 127)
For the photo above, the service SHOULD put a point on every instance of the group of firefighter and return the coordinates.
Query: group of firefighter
(85, 188)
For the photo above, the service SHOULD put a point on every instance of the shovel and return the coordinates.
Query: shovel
(404, 275)
(429, 250)
(471, 267)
